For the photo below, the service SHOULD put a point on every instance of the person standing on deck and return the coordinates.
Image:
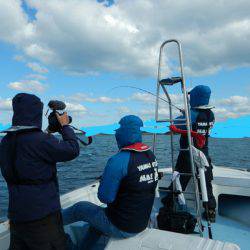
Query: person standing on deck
(202, 120)
(127, 187)
(28, 158)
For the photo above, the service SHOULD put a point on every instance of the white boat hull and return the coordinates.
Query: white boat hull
(231, 228)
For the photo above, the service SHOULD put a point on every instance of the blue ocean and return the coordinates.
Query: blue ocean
(91, 162)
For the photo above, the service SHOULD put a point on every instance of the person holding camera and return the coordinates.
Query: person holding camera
(28, 158)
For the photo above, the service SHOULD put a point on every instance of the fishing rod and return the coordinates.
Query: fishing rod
(148, 92)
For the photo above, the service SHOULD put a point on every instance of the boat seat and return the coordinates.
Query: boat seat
(231, 177)
(229, 181)
(160, 240)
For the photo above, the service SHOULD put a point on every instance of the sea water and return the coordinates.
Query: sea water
(91, 162)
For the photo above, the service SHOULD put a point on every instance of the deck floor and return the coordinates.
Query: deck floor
(231, 231)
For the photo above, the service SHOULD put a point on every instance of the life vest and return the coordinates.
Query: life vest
(137, 147)
(132, 207)
(202, 124)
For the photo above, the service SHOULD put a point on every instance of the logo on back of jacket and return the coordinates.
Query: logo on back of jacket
(151, 177)
(203, 127)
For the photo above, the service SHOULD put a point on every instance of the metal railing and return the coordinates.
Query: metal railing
(165, 84)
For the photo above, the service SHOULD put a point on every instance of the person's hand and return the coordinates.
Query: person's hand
(63, 119)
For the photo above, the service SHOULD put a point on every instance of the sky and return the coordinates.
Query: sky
(79, 51)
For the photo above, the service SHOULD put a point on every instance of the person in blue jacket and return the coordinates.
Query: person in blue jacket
(28, 158)
(202, 120)
(127, 187)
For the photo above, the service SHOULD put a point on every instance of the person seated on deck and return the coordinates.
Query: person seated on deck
(127, 187)
(202, 120)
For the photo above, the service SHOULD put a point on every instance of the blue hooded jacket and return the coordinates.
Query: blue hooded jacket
(117, 166)
(199, 96)
(34, 158)
(201, 115)
(129, 180)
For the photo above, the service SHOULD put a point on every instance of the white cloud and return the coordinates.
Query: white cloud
(5, 104)
(235, 100)
(76, 108)
(176, 99)
(27, 85)
(143, 97)
(14, 26)
(36, 77)
(36, 67)
(82, 97)
(85, 36)
(123, 110)
(105, 99)
(145, 113)
(232, 107)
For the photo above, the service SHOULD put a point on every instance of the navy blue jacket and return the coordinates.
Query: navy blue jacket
(129, 180)
(35, 157)
(202, 117)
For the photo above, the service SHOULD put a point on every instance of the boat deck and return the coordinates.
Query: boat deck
(226, 229)
(160, 240)
(227, 235)
(232, 224)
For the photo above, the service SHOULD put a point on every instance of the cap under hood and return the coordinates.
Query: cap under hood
(199, 96)
(129, 131)
(28, 110)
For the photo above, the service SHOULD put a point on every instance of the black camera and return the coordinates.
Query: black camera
(55, 106)
(54, 125)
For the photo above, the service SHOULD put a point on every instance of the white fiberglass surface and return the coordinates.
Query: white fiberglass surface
(225, 228)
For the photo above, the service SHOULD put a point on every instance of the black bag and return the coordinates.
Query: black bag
(176, 221)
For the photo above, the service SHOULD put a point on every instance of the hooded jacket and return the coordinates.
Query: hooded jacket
(199, 96)
(129, 180)
(31, 156)
(202, 117)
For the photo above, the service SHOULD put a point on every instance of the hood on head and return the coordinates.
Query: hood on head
(28, 110)
(129, 131)
(199, 96)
